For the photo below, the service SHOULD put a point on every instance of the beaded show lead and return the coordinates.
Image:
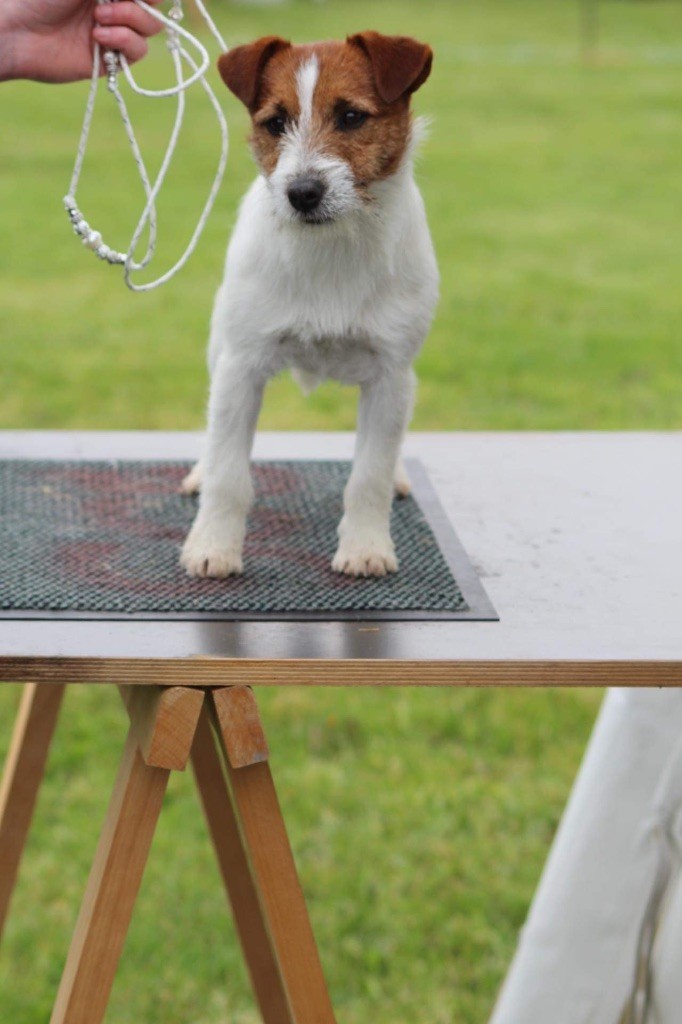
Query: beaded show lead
(115, 63)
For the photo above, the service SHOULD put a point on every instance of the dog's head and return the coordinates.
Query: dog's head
(330, 120)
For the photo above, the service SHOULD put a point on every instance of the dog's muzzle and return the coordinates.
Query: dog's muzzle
(306, 194)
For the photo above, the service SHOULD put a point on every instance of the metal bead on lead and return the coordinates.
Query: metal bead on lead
(113, 66)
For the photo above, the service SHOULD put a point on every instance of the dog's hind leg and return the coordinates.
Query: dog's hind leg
(191, 484)
(401, 481)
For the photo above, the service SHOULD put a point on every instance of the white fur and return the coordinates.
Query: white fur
(350, 300)
(307, 78)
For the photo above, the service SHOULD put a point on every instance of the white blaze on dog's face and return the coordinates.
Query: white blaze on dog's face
(329, 119)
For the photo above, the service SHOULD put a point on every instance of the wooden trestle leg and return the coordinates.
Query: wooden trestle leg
(23, 774)
(161, 733)
(280, 912)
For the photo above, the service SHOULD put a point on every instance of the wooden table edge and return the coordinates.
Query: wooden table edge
(217, 671)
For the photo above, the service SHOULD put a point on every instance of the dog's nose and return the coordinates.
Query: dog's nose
(306, 194)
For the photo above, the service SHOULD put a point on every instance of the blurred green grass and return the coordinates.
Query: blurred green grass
(552, 188)
(420, 820)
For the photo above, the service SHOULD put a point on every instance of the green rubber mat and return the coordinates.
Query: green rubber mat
(102, 540)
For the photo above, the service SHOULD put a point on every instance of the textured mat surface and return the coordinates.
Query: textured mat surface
(105, 537)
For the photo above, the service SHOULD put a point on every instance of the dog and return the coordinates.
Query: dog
(330, 273)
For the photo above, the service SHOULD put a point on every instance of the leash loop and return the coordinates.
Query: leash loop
(114, 64)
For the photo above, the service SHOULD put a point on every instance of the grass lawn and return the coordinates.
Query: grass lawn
(553, 191)
(420, 820)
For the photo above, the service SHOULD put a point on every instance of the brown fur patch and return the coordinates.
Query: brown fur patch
(370, 73)
(279, 96)
(242, 68)
(400, 65)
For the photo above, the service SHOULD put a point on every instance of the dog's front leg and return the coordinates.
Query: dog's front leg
(214, 544)
(365, 545)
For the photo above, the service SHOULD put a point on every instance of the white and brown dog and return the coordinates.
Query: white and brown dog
(330, 273)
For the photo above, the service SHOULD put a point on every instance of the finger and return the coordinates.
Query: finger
(130, 44)
(126, 14)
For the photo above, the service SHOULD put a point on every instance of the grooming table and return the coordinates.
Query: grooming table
(576, 539)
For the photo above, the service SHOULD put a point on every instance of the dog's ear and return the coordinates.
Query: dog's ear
(400, 65)
(242, 69)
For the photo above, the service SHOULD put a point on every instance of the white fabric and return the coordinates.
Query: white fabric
(667, 975)
(667, 992)
(576, 959)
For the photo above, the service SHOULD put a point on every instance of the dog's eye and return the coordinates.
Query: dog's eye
(349, 119)
(276, 125)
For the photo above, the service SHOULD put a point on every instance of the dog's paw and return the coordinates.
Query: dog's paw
(401, 484)
(204, 556)
(371, 555)
(211, 562)
(191, 484)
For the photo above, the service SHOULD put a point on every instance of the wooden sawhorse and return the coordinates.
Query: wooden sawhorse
(220, 731)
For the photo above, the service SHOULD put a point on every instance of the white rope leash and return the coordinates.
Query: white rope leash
(114, 63)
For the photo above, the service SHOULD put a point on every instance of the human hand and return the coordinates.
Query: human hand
(52, 40)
